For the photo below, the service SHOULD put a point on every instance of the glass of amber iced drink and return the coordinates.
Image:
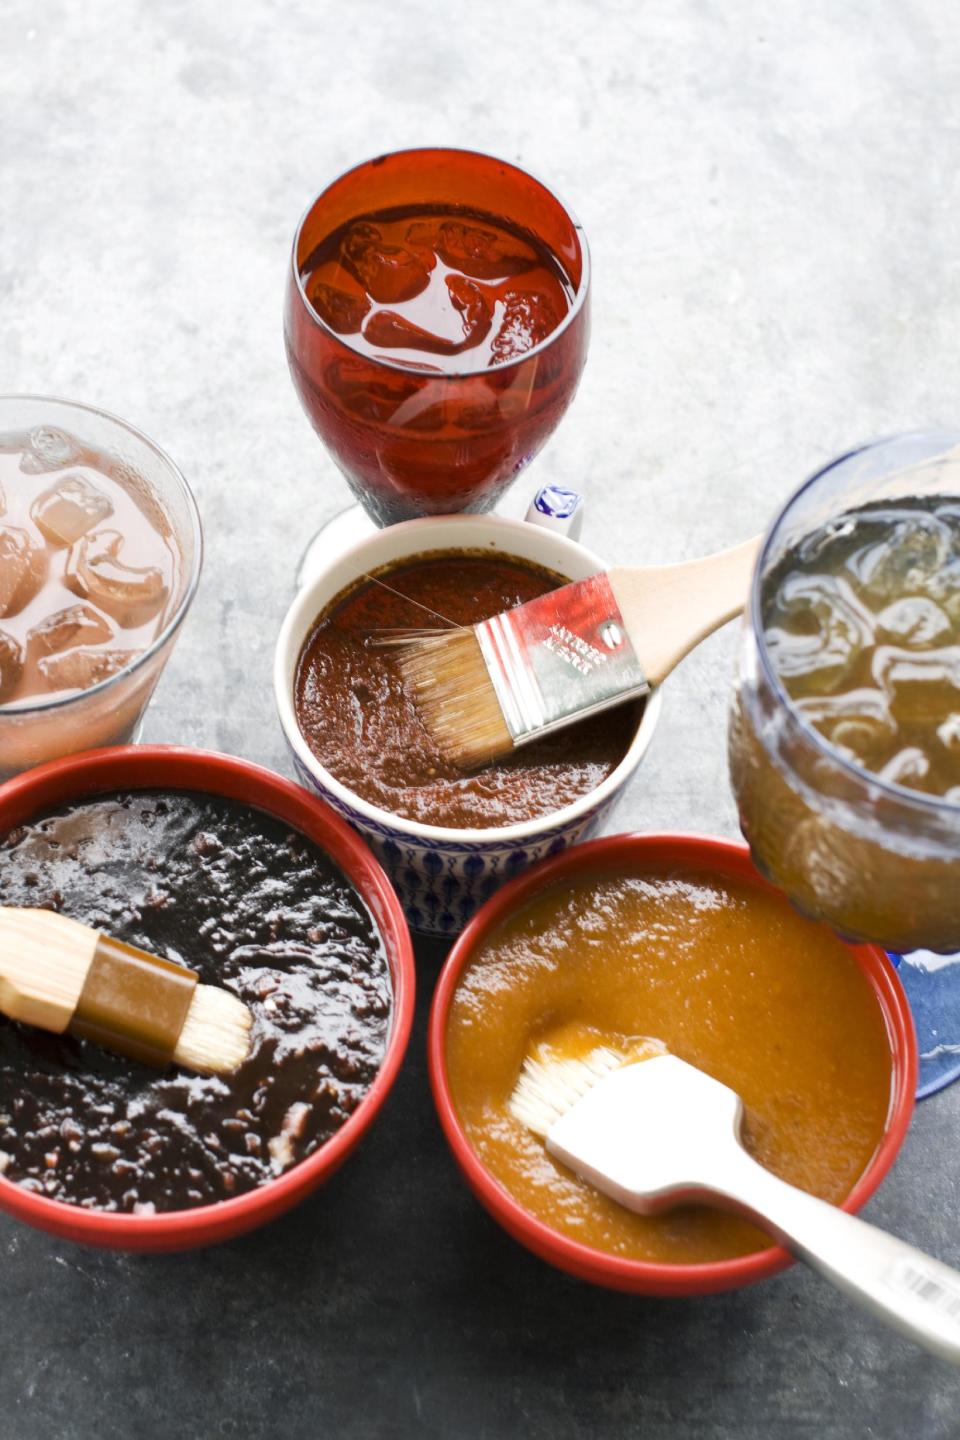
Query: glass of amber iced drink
(845, 726)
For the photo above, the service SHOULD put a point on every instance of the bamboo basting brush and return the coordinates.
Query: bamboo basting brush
(486, 689)
(58, 975)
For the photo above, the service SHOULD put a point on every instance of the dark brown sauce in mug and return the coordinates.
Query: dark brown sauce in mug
(363, 727)
(251, 905)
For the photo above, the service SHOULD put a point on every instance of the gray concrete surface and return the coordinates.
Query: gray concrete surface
(771, 194)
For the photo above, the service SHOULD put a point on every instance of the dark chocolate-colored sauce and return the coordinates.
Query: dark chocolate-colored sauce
(364, 728)
(248, 904)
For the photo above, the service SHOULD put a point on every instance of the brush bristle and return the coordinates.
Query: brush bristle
(545, 1091)
(447, 676)
(216, 1033)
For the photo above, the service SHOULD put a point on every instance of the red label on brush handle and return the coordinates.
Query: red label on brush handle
(565, 654)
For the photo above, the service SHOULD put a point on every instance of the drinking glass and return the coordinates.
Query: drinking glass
(875, 860)
(411, 439)
(110, 712)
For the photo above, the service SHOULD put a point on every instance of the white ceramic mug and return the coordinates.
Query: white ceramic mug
(442, 874)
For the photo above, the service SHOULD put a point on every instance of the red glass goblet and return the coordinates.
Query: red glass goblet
(447, 427)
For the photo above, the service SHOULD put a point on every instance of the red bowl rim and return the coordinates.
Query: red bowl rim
(173, 767)
(640, 1276)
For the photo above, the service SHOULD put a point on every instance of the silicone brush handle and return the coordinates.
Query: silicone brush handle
(913, 1292)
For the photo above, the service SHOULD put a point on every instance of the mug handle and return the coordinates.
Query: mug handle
(558, 509)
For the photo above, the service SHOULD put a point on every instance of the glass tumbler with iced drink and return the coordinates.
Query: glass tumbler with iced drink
(436, 327)
(844, 736)
(100, 553)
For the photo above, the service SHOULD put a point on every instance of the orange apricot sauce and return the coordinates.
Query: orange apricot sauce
(729, 978)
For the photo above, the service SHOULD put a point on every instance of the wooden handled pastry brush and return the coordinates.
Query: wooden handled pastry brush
(656, 1132)
(484, 690)
(60, 975)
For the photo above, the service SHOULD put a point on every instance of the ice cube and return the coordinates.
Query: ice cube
(360, 235)
(818, 544)
(356, 389)
(65, 629)
(424, 234)
(22, 569)
(483, 412)
(390, 331)
(131, 594)
(342, 311)
(69, 509)
(908, 767)
(944, 588)
(528, 318)
(906, 561)
(913, 621)
(11, 665)
(859, 722)
(48, 449)
(476, 312)
(472, 250)
(388, 273)
(80, 668)
(820, 661)
(921, 687)
(949, 734)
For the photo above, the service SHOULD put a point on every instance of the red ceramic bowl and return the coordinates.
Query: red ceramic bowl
(724, 857)
(149, 767)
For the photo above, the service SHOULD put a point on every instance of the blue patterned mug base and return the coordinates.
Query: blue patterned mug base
(442, 883)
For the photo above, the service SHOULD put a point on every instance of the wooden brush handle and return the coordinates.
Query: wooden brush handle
(44, 960)
(668, 609)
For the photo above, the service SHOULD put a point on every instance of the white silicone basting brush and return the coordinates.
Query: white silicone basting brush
(658, 1132)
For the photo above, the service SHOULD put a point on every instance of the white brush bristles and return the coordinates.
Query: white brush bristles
(545, 1091)
(216, 1033)
(447, 676)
